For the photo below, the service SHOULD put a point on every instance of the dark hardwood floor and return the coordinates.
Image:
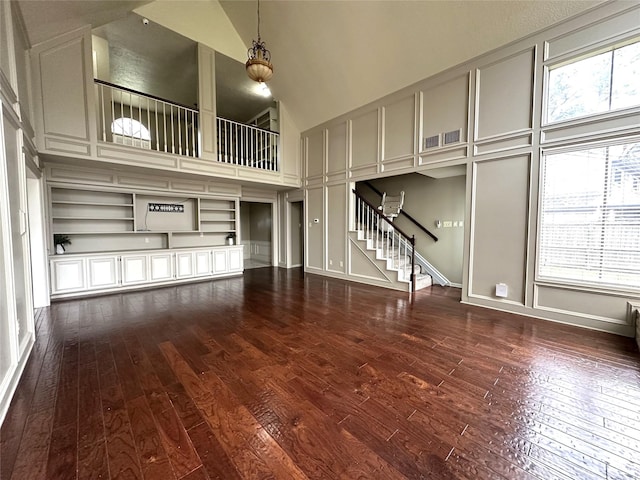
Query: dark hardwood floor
(278, 376)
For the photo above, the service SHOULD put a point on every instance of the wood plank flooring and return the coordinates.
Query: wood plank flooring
(280, 376)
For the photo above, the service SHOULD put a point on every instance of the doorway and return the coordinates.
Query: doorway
(37, 242)
(256, 231)
(296, 224)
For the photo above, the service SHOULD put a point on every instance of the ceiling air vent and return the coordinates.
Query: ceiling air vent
(431, 142)
(452, 137)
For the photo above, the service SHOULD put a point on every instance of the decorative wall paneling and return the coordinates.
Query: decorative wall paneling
(66, 124)
(495, 104)
(64, 94)
(16, 302)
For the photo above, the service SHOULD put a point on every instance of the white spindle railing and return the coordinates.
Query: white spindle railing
(151, 123)
(389, 241)
(247, 146)
(167, 127)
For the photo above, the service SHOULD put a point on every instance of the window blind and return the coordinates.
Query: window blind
(590, 216)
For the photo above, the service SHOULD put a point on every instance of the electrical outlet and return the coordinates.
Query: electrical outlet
(447, 224)
(330, 262)
(146, 239)
(455, 224)
(341, 263)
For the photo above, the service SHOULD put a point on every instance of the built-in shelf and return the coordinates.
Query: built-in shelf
(98, 221)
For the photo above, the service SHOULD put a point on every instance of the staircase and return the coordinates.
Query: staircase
(392, 258)
(387, 247)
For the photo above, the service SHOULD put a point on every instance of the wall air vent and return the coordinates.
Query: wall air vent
(452, 137)
(431, 142)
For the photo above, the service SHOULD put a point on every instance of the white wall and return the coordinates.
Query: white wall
(16, 306)
(494, 104)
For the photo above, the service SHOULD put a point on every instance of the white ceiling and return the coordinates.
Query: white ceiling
(329, 56)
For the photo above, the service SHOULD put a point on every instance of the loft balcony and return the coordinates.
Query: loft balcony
(91, 122)
(147, 122)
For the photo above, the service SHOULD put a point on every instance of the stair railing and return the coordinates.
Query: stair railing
(385, 236)
(402, 212)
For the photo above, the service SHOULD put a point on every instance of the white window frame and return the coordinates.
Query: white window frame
(575, 57)
(585, 286)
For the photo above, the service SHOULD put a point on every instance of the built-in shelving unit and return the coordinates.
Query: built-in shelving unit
(87, 211)
(217, 216)
(99, 221)
(122, 240)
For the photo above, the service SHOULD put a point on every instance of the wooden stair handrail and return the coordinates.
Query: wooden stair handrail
(409, 217)
(411, 239)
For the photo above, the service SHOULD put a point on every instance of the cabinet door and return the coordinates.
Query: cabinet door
(220, 264)
(235, 260)
(184, 265)
(161, 267)
(134, 269)
(67, 275)
(202, 263)
(103, 272)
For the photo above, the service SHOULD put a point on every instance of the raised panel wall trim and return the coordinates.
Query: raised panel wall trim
(497, 300)
(519, 140)
(188, 187)
(75, 174)
(582, 307)
(143, 182)
(618, 123)
(364, 171)
(442, 155)
(398, 164)
(291, 180)
(336, 177)
(503, 136)
(135, 157)
(57, 144)
(233, 190)
(581, 315)
(591, 36)
(313, 182)
(258, 174)
(7, 89)
(552, 316)
(210, 167)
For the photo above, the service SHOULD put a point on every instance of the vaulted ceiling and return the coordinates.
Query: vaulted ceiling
(329, 56)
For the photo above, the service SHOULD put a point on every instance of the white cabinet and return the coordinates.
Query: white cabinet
(103, 272)
(236, 259)
(202, 263)
(74, 274)
(220, 264)
(135, 269)
(67, 275)
(161, 266)
(184, 265)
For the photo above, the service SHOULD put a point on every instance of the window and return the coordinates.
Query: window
(128, 127)
(589, 221)
(596, 84)
(127, 131)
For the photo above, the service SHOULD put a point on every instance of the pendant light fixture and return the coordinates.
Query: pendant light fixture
(259, 66)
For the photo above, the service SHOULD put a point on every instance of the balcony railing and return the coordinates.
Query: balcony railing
(147, 122)
(132, 118)
(247, 146)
